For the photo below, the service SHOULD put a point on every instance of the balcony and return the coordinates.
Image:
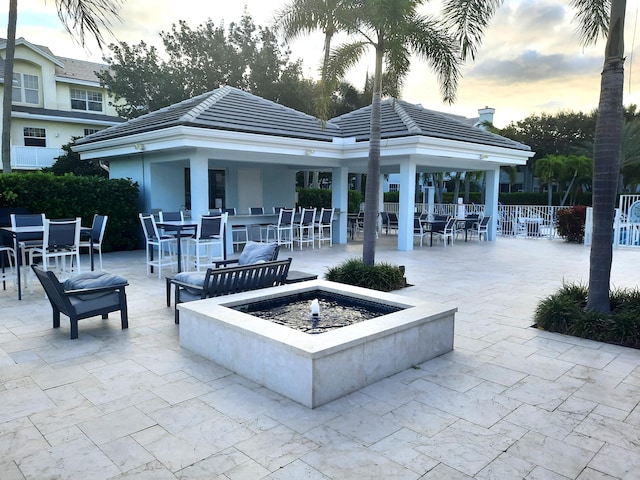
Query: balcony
(33, 158)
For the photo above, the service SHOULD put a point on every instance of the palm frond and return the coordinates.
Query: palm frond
(344, 58)
(593, 19)
(431, 41)
(88, 16)
(468, 20)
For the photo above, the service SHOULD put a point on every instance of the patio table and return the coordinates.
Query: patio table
(432, 226)
(180, 226)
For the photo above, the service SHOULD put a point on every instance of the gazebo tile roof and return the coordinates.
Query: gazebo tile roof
(227, 108)
(231, 109)
(400, 118)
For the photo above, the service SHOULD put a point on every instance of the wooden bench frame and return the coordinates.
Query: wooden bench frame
(230, 280)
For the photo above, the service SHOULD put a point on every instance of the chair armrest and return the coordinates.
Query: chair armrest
(224, 263)
(178, 283)
(87, 291)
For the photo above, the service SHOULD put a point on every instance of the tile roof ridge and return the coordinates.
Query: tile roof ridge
(211, 98)
(411, 125)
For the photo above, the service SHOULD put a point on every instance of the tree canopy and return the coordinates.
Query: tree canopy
(199, 60)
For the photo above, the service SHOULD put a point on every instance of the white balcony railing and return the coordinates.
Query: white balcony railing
(33, 158)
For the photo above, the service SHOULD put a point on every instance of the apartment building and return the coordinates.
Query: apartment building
(54, 99)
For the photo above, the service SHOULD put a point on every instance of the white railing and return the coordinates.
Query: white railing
(626, 226)
(531, 221)
(33, 158)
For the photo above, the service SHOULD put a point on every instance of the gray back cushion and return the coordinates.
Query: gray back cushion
(93, 280)
(254, 252)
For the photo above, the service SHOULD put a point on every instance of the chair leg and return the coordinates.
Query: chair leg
(74, 328)
(124, 314)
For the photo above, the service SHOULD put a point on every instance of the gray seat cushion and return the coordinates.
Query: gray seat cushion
(191, 278)
(254, 252)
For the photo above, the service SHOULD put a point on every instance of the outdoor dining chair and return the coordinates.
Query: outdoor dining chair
(323, 225)
(209, 236)
(239, 233)
(93, 239)
(261, 227)
(418, 230)
(448, 233)
(7, 265)
(305, 227)
(27, 241)
(164, 244)
(283, 230)
(60, 243)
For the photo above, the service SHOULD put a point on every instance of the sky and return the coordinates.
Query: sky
(530, 62)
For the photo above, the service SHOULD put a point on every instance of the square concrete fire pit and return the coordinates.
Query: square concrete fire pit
(315, 369)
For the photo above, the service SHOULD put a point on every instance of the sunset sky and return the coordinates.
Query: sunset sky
(531, 60)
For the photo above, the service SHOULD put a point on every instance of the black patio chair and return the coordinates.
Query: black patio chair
(84, 296)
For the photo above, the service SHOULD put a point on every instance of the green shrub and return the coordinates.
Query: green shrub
(69, 196)
(570, 223)
(381, 276)
(321, 198)
(564, 312)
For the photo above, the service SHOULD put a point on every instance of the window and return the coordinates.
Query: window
(86, 100)
(89, 131)
(26, 88)
(35, 137)
(394, 187)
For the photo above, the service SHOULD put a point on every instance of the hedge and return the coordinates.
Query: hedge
(69, 196)
(321, 198)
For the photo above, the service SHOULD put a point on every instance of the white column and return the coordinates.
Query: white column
(491, 201)
(340, 201)
(406, 204)
(199, 165)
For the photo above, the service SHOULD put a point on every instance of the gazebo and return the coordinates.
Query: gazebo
(229, 148)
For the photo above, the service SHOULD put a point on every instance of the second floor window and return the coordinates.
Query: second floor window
(89, 131)
(86, 100)
(394, 187)
(35, 137)
(26, 88)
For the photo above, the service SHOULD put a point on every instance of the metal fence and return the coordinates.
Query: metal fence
(537, 221)
(526, 221)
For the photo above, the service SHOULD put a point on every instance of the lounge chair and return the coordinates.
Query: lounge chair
(83, 296)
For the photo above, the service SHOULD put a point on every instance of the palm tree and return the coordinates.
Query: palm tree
(550, 169)
(300, 17)
(469, 18)
(395, 30)
(81, 16)
(303, 17)
(578, 168)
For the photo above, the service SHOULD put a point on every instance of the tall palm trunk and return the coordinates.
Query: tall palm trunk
(606, 161)
(8, 86)
(372, 189)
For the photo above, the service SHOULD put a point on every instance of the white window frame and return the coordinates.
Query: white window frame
(38, 134)
(394, 187)
(26, 88)
(90, 131)
(86, 100)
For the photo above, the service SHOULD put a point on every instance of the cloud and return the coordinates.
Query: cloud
(533, 66)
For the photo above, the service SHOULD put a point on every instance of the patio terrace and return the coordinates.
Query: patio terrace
(509, 402)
